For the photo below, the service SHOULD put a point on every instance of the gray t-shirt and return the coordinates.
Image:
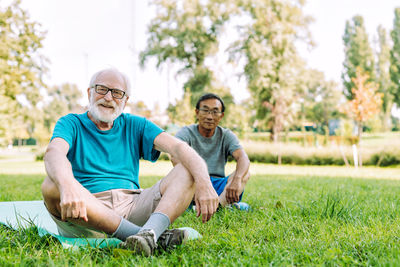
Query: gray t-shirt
(214, 150)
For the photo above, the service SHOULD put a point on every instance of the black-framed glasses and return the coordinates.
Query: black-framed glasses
(103, 90)
(213, 112)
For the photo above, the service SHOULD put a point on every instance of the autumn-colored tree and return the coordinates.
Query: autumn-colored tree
(366, 103)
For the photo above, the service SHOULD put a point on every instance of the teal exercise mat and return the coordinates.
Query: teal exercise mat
(24, 214)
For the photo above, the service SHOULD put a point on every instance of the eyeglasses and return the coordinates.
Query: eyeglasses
(213, 112)
(103, 90)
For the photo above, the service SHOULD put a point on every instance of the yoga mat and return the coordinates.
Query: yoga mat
(24, 214)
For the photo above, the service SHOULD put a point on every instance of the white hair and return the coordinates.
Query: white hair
(123, 76)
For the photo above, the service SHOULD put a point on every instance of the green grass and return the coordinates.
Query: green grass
(301, 216)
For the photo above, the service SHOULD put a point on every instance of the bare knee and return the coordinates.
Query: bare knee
(49, 189)
(179, 177)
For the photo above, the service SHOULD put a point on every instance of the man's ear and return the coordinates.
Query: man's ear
(127, 98)
(222, 115)
(88, 94)
(197, 114)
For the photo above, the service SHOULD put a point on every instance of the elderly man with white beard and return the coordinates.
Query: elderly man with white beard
(92, 163)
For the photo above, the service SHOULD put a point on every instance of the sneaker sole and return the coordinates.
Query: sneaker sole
(138, 245)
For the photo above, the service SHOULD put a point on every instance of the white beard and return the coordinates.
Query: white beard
(99, 115)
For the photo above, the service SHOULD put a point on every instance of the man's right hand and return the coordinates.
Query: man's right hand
(73, 203)
(206, 200)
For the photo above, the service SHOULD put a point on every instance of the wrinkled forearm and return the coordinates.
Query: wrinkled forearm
(189, 158)
(58, 168)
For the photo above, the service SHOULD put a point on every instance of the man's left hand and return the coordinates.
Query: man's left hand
(233, 190)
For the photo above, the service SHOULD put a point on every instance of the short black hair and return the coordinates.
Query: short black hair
(210, 96)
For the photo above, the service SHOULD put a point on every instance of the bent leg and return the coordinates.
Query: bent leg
(177, 191)
(100, 217)
(222, 196)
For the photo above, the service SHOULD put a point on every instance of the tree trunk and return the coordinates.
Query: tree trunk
(387, 123)
(359, 134)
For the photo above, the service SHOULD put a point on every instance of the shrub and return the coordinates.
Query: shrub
(385, 158)
(295, 154)
(39, 156)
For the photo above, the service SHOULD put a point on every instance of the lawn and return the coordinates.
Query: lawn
(300, 216)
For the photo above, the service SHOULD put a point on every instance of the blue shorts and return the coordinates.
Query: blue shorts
(220, 183)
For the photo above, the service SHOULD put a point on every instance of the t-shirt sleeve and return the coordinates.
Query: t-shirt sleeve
(232, 141)
(65, 129)
(151, 131)
(183, 134)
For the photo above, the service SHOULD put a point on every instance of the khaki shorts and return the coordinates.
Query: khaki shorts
(134, 205)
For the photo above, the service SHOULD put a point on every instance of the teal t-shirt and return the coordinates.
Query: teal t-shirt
(105, 160)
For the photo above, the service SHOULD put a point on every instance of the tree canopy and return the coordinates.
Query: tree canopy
(358, 53)
(21, 71)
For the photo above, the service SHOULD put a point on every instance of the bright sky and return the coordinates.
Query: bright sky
(86, 36)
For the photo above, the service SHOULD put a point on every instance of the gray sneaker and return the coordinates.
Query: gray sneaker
(173, 237)
(141, 243)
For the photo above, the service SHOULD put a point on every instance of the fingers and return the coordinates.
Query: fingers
(205, 215)
(208, 209)
(83, 213)
(74, 210)
(232, 195)
(198, 205)
(206, 203)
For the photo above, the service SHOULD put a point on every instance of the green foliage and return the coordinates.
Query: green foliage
(237, 118)
(358, 53)
(386, 158)
(40, 156)
(272, 63)
(64, 99)
(298, 159)
(385, 85)
(319, 99)
(186, 33)
(395, 56)
(382, 158)
(182, 113)
(21, 71)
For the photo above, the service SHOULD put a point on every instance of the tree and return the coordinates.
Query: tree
(319, 98)
(183, 112)
(366, 103)
(395, 57)
(64, 99)
(237, 118)
(358, 53)
(21, 70)
(268, 44)
(383, 77)
(139, 108)
(185, 33)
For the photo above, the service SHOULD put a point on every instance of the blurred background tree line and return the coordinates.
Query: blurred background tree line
(191, 36)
